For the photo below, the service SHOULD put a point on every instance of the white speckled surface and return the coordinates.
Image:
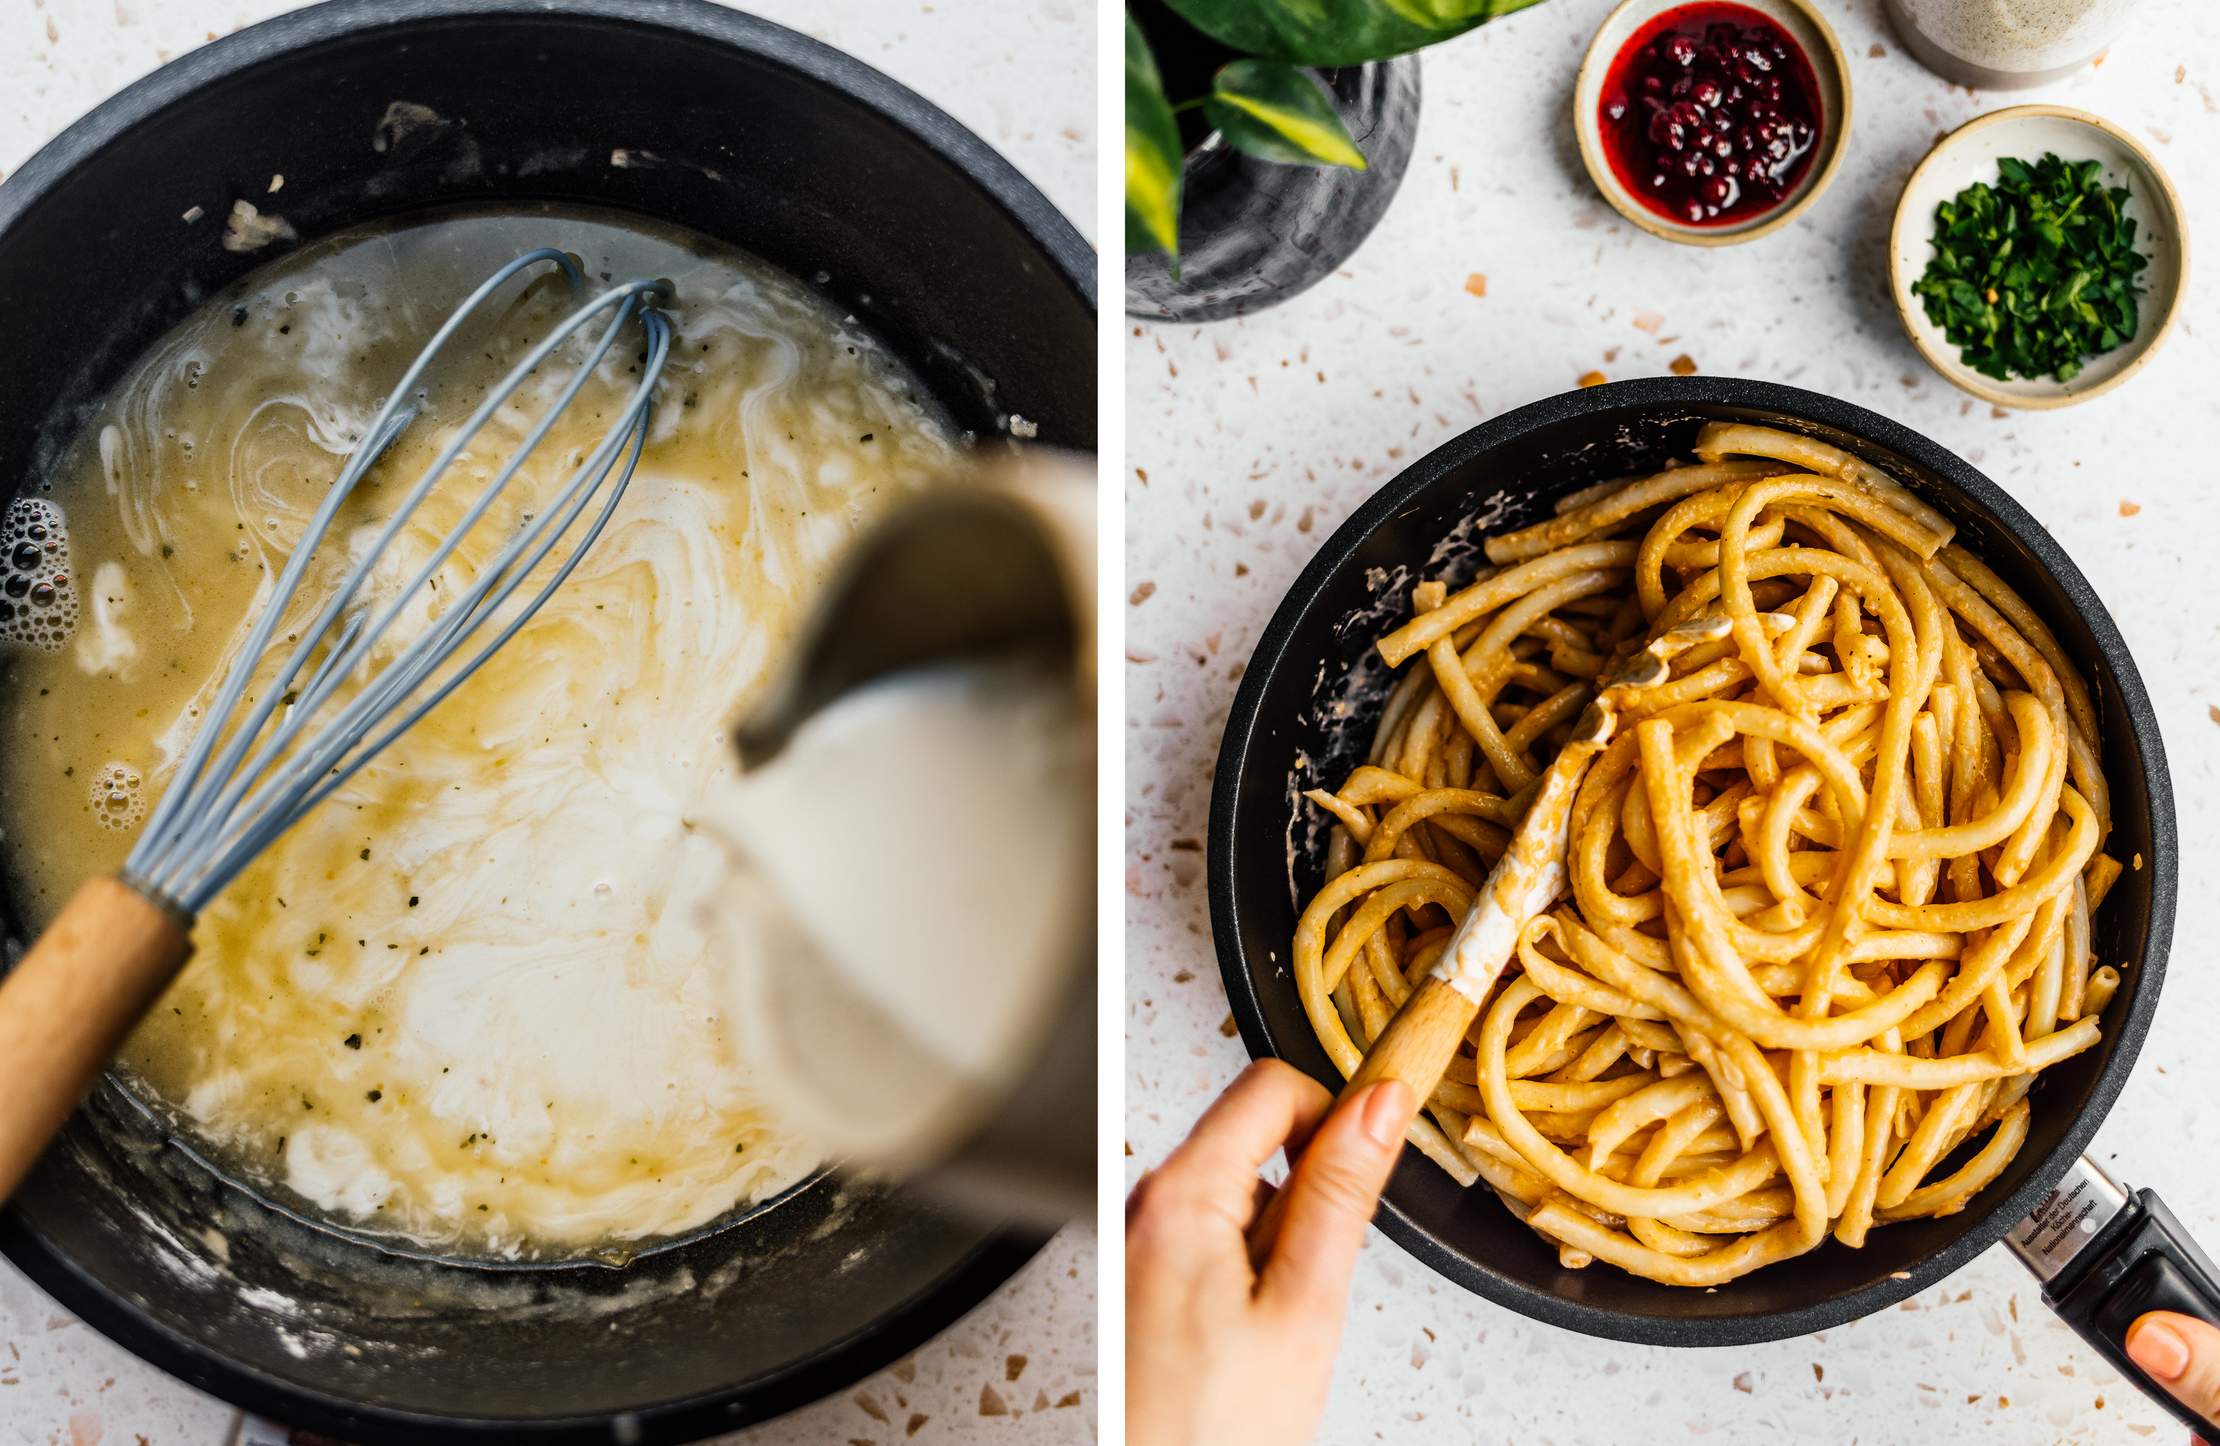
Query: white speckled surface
(1021, 1369)
(1257, 438)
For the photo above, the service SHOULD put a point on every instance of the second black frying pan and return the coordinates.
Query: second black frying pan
(1305, 710)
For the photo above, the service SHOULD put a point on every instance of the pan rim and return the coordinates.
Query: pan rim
(291, 34)
(1983, 1226)
(912, 1322)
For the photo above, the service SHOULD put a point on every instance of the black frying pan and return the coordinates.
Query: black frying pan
(1305, 711)
(730, 126)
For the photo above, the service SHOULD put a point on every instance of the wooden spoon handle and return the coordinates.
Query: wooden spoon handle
(1419, 1042)
(1416, 1047)
(67, 1006)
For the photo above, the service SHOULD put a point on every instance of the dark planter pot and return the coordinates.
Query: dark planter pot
(1254, 233)
(732, 127)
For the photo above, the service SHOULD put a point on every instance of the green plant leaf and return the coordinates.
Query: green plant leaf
(1152, 153)
(1439, 14)
(1276, 112)
(1337, 32)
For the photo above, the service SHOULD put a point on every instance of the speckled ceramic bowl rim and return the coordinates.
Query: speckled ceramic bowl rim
(1589, 132)
(2172, 216)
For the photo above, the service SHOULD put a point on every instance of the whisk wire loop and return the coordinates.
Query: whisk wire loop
(328, 764)
(302, 707)
(392, 418)
(217, 815)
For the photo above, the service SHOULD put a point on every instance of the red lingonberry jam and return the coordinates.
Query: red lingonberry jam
(1710, 114)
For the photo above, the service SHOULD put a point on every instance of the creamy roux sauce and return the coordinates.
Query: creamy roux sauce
(469, 1000)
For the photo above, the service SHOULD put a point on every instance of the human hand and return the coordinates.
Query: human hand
(1222, 1351)
(2182, 1354)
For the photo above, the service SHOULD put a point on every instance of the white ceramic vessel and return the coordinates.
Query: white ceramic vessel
(2008, 44)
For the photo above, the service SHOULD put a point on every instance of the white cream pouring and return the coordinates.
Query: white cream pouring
(912, 875)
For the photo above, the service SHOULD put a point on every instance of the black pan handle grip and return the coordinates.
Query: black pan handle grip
(2144, 1261)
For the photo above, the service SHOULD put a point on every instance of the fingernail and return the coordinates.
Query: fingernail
(2159, 1349)
(1387, 1112)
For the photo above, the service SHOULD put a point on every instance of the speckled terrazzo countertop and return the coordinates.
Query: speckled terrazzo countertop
(1021, 1368)
(1248, 442)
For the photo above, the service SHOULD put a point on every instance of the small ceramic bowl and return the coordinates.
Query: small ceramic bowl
(1807, 27)
(1970, 154)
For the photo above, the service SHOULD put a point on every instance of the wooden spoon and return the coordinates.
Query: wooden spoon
(1422, 1038)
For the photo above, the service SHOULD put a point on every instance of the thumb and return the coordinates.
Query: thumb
(1331, 1194)
(2182, 1354)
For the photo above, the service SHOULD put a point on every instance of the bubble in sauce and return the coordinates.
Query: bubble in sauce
(38, 601)
(118, 796)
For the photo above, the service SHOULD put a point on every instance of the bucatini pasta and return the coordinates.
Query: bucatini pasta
(1830, 882)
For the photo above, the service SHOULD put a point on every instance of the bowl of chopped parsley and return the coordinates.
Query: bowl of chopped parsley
(2038, 256)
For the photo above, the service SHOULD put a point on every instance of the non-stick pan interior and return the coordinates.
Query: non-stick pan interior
(692, 114)
(1305, 713)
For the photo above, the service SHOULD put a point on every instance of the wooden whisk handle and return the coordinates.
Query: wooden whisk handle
(65, 1009)
(1417, 1048)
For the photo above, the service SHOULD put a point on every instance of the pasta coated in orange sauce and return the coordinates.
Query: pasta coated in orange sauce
(1830, 884)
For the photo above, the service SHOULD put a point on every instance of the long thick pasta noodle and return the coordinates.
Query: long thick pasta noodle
(1830, 885)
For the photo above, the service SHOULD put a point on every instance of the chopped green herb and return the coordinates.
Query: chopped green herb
(2035, 275)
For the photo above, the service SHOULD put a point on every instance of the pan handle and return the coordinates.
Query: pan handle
(2144, 1261)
